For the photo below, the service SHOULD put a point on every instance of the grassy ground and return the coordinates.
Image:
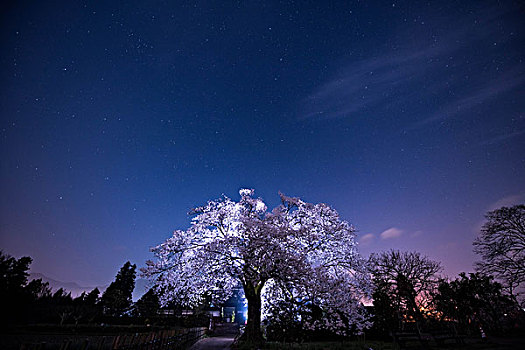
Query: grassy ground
(495, 343)
(326, 345)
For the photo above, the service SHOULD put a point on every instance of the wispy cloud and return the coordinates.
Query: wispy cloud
(391, 233)
(433, 80)
(369, 83)
(367, 239)
(503, 137)
(507, 201)
(506, 82)
(416, 234)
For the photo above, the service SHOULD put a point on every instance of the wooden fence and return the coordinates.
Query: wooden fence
(173, 339)
(162, 340)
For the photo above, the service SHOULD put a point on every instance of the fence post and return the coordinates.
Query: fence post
(85, 344)
(101, 343)
(65, 344)
(115, 342)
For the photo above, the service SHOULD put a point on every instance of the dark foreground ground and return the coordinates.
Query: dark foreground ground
(223, 338)
(496, 343)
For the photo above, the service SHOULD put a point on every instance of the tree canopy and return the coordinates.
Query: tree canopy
(406, 277)
(148, 305)
(13, 281)
(501, 245)
(116, 299)
(473, 300)
(13, 274)
(305, 247)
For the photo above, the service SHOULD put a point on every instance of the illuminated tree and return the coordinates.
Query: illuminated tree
(501, 245)
(305, 246)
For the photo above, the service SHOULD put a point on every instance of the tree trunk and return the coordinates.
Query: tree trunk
(418, 316)
(252, 332)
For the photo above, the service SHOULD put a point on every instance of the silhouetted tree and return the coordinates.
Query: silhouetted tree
(408, 277)
(21, 301)
(92, 305)
(37, 289)
(39, 301)
(85, 307)
(116, 299)
(501, 245)
(386, 309)
(13, 274)
(148, 305)
(472, 301)
(61, 304)
(79, 308)
(13, 280)
(92, 298)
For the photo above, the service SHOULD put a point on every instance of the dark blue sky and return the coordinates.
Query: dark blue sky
(118, 117)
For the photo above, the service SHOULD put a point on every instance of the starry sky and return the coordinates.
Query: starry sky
(117, 117)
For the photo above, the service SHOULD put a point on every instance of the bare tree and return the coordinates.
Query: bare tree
(409, 277)
(501, 245)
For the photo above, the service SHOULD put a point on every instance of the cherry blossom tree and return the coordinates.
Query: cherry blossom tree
(305, 247)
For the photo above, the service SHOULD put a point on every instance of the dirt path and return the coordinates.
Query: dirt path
(222, 340)
(215, 343)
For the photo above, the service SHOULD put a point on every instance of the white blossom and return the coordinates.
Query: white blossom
(298, 250)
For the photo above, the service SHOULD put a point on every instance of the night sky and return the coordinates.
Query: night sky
(118, 117)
